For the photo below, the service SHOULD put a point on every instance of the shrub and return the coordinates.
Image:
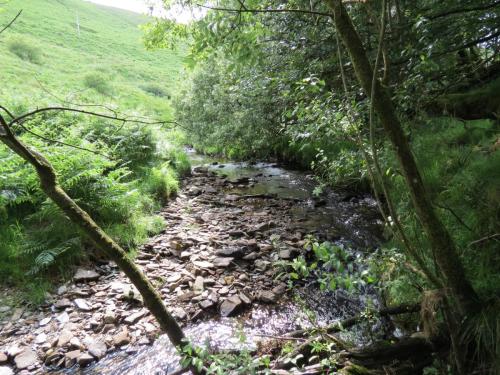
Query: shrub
(162, 181)
(25, 51)
(156, 91)
(99, 83)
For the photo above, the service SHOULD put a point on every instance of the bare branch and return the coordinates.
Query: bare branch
(7, 111)
(62, 143)
(11, 22)
(102, 115)
(245, 10)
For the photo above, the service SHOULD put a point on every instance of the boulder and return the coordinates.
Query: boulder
(3, 358)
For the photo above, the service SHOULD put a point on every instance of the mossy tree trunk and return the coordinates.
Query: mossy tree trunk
(443, 247)
(49, 184)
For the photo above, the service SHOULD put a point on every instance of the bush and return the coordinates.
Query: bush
(156, 91)
(25, 51)
(99, 83)
(162, 182)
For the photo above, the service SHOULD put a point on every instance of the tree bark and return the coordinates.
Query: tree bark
(49, 184)
(442, 244)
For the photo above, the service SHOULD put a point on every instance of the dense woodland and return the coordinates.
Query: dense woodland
(395, 99)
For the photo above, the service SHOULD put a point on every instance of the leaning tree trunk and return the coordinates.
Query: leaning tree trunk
(51, 187)
(442, 244)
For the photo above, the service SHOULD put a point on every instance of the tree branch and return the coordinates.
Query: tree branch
(245, 10)
(463, 10)
(11, 22)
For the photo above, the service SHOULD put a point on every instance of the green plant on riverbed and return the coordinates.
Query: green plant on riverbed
(331, 265)
(241, 362)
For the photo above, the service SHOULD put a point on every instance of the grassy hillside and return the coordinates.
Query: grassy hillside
(106, 62)
(45, 61)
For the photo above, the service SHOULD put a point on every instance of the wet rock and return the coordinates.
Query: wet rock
(230, 306)
(222, 262)
(64, 338)
(25, 359)
(4, 370)
(83, 275)
(267, 296)
(82, 304)
(85, 360)
(121, 338)
(71, 357)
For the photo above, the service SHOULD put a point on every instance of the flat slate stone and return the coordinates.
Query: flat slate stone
(82, 275)
(25, 359)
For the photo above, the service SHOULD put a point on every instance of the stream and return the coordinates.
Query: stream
(351, 222)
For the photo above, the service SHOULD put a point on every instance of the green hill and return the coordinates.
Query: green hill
(102, 62)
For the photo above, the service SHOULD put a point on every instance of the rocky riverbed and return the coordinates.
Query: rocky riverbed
(215, 259)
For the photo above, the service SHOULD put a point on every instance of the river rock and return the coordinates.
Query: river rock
(40, 338)
(134, 318)
(109, 317)
(266, 296)
(261, 265)
(64, 338)
(230, 306)
(25, 359)
(71, 357)
(233, 252)
(83, 275)
(198, 285)
(63, 318)
(85, 360)
(4, 370)
(62, 304)
(121, 338)
(45, 321)
(222, 262)
(95, 347)
(82, 304)
(3, 358)
(130, 293)
(203, 264)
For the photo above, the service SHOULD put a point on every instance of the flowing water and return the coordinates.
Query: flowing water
(351, 223)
